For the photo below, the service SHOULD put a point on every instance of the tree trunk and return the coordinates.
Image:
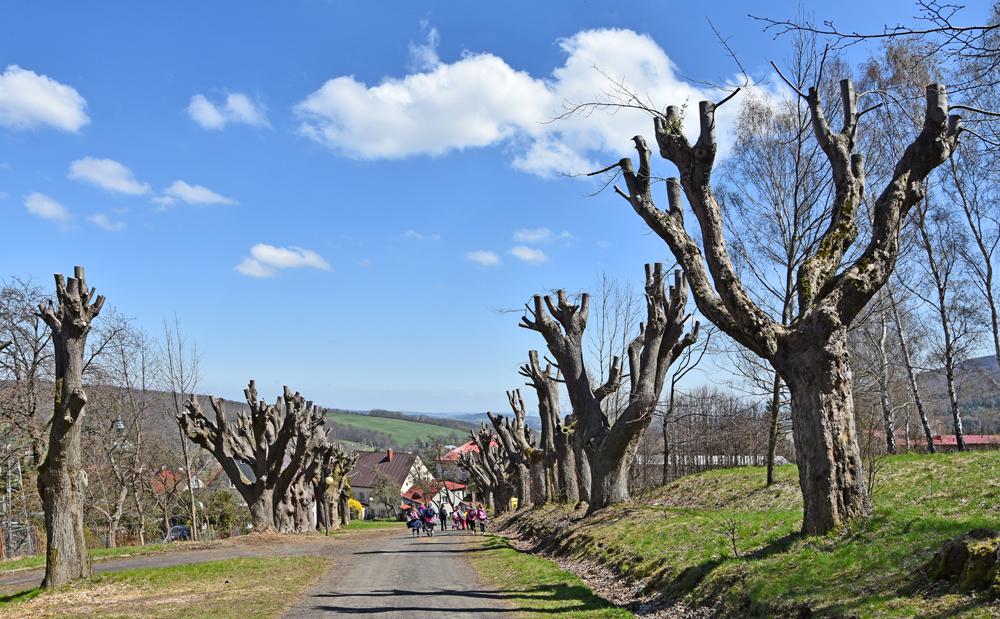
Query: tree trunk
(610, 480)
(816, 370)
(774, 416)
(190, 485)
(523, 481)
(539, 486)
(911, 374)
(345, 509)
(62, 482)
(888, 420)
(569, 491)
(582, 470)
(261, 511)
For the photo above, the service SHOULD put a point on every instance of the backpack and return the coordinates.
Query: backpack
(429, 513)
(481, 514)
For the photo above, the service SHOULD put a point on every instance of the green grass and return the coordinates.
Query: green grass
(382, 523)
(233, 588)
(538, 587)
(402, 432)
(678, 539)
(96, 554)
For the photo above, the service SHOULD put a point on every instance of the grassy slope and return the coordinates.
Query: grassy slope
(236, 588)
(678, 538)
(403, 432)
(537, 586)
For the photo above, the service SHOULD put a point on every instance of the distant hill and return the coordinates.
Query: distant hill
(401, 431)
(978, 390)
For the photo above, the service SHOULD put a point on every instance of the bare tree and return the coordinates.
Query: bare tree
(556, 439)
(810, 353)
(611, 446)
(911, 375)
(523, 459)
(488, 468)
(62, 482)
(262, 451)
(944, 291)
(182, 378)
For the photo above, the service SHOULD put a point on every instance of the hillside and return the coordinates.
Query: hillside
(978, 389)
(396, 433)
(678, 541)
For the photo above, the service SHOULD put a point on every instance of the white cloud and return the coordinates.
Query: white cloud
(41, 205)
(528, 254)
(532, 235)
(192, 194)
(238, 108)
(420, 236)
(424, 56)
(266, 260)
(29, 100)
(107, 174)
(102, 221)
(483, 257)
(480, 100)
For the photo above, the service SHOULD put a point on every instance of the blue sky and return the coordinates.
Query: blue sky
(340, 197)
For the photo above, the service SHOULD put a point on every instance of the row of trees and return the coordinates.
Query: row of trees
(278, 457)
(586, 455)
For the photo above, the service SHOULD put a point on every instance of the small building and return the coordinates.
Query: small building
(399, 469)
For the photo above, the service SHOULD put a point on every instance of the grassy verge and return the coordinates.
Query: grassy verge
(96, 554)
(722, 539)
(237, 588)
(363, 525)
(538, 587)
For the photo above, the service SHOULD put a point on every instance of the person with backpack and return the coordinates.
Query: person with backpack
(482, 518)
(413, 522)
(430, 517)
(455, 517)
(470, 519)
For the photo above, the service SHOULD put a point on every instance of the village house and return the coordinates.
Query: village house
(399, 470)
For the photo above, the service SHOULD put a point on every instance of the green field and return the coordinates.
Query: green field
(721, 539)
(403, 432)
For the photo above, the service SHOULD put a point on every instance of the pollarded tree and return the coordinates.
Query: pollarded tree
(556, 440)
(61, 479)
(611, 445)
(810, 352)
(256, 449)
(487, 466)
(523, 459)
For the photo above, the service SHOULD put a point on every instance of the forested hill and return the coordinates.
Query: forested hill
(382, 429)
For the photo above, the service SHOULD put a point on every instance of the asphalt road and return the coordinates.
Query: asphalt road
(396, 575)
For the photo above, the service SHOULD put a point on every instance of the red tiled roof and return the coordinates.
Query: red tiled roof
(452, 456)
(970, 439)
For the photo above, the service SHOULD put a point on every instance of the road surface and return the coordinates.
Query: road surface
(396, 575)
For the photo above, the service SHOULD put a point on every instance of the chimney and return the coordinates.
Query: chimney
(388, 455)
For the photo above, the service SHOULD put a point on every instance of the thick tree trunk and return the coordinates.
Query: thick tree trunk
(345, 509)
(523, 488)
(815, 368)
(62, 484)
(261, 511)
(569, 491)
(539, 484)
(610, 480)
(582, 471)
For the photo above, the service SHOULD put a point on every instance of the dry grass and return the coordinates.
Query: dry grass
(237, 588)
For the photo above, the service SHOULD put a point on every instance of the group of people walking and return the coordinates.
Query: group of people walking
(423, 518)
